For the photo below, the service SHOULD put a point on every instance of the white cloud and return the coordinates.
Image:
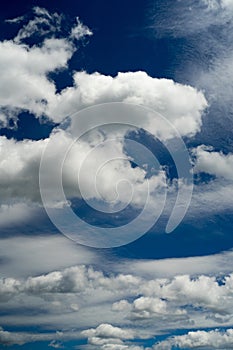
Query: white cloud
(80, 31)
(145, 291)
(40, 280)
(200, 301)
(180, 104)
(20, 163)
(24, 69)
(214, 163)
(46, 24)
(15, 20)
(42, 24)
(24, 83)
(214, 339)
(121, 305)
(121, 347)
(150, 307)
(24, 73)
(108, 337)
(108, 331)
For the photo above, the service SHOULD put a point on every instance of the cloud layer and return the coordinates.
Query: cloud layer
(127, 307)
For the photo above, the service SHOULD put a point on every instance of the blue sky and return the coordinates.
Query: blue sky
(116, 166)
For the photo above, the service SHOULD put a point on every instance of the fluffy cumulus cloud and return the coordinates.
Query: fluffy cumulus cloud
(96, 168)
(106, 336)
(26, 85)
(214, 163)
(20, 162)
(127, 306)
(149, 307)
(24, 82)
(108, 331)
(104, 166)
(121, 298)
(200, 339)
(76, 279)
(24, 69)
(182, 105)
